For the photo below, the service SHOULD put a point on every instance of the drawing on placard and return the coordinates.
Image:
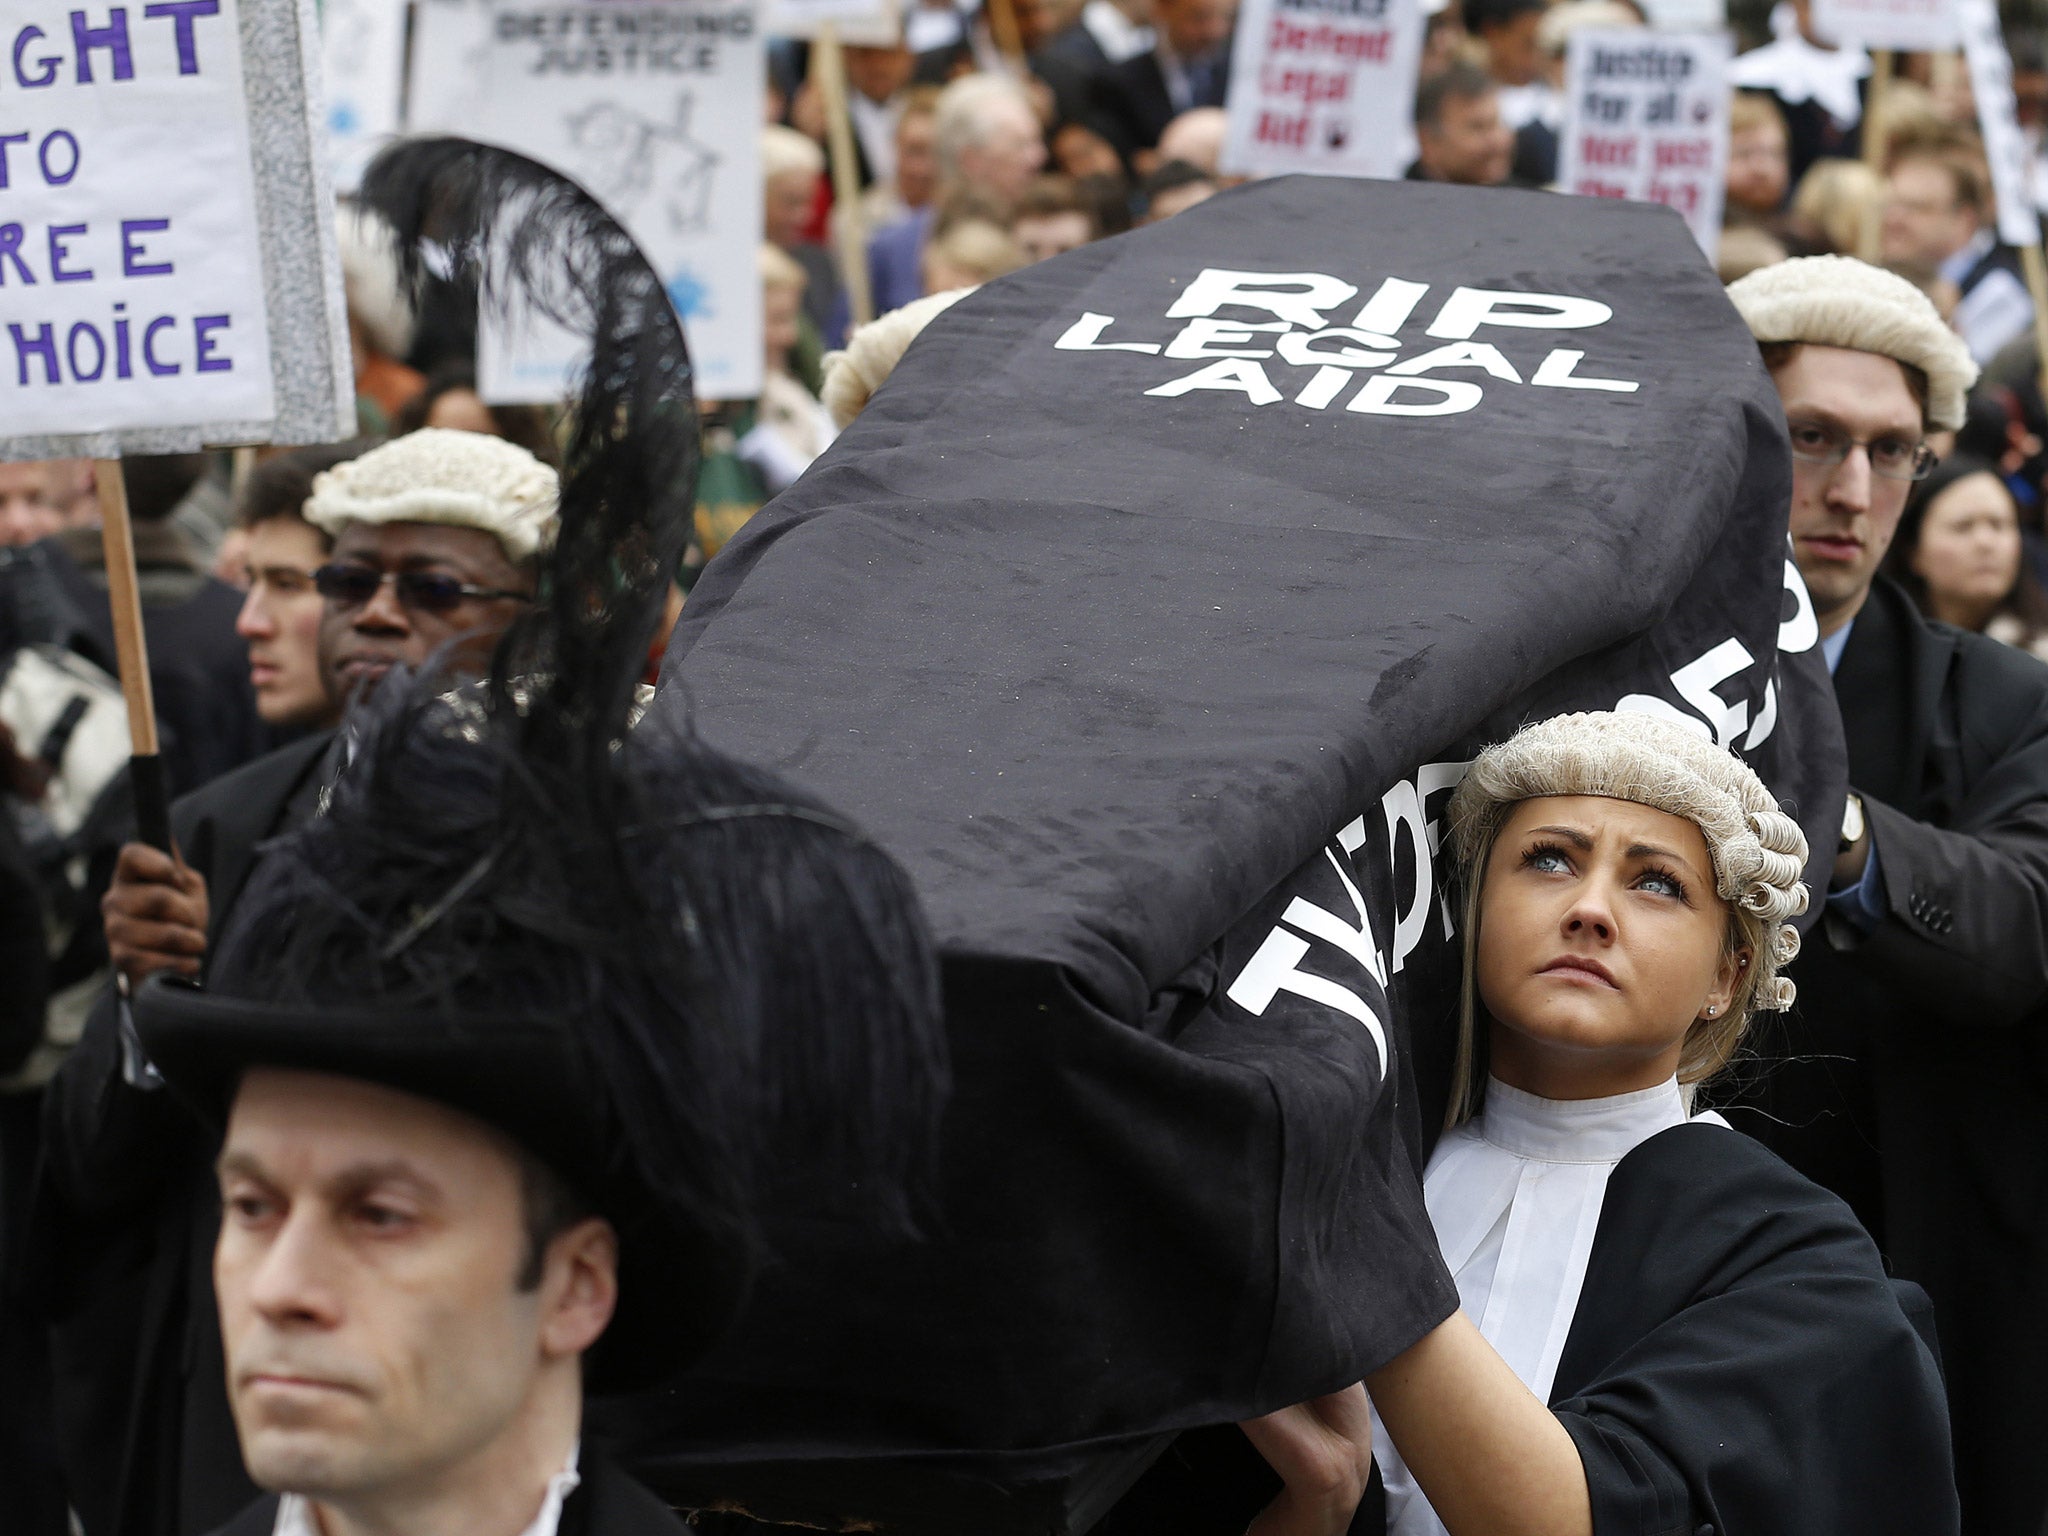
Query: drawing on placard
(623, 157)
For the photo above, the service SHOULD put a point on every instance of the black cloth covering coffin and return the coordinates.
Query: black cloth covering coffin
(1159, 698)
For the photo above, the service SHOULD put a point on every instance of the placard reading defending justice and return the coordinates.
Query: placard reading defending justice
(131, 280)
(1323, 86)
(1646, 119)
(655, 109)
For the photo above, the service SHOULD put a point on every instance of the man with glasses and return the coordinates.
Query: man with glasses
(1913, 1078)
(436, 543)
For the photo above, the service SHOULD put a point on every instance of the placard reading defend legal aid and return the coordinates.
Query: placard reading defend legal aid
(1323, 86)
(137, 312)
(1646, 119)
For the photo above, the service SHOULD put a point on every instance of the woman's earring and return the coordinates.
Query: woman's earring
(1712, 1009)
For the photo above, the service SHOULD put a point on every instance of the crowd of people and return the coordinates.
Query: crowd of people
(157, 1300)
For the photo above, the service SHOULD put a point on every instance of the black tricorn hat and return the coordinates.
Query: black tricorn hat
(679, 983)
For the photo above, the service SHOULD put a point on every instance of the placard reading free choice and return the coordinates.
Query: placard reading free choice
(131, 284)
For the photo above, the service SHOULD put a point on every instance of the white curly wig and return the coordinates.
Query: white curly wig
(872, 353)
(1758, 852)
(1838, 301)
(438, 475)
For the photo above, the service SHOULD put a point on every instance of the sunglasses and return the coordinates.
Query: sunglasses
(351, 586)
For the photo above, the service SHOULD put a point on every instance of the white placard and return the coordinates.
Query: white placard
(1687, 15)
(131, 276)
(1325, 86)
(2012, 167)
(1909, 26)
(362, 56)
(1646, 119)
(653, 106)
(870, 23)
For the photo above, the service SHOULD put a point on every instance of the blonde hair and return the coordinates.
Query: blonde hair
(1840, 202)
(976, 249)
(784, 152)
(1758, 853)
(779, 269)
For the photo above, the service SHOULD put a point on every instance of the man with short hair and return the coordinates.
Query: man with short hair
(436, 538)
(1506, 30)
(989, 144)
(41, 497)
(1187, 66)
(280, 617)
(1459, 135)
(1053, 217)
(1913, 1077)
(1938, 214)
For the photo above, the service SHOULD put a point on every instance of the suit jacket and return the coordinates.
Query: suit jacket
(605, 1503)
(1912, 1076)
(126, 1217)
(1130, 105)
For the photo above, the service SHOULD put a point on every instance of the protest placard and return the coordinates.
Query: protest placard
(362, 54)
(168, 273)
(864, 23)
(2005, 147)
(1646, 119)
(1323, 86)
(655, 108)
(1909, 26)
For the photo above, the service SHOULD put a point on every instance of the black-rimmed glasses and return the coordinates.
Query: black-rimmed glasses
(1891, 456)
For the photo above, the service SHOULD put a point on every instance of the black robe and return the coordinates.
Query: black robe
(126, 1214)
(605, 1503)
(1912, 1078)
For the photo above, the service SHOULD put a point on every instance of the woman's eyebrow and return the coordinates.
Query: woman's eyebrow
(1653, 851)
(1571, 835)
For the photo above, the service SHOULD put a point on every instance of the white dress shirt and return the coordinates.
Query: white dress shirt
(1515, 1197)
(295, 1515)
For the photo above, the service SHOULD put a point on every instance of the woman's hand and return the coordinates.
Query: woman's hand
(1322, 1450)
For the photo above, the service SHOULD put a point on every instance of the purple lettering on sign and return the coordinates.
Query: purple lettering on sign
(10, 250)
(161, 370)
(182, 13)
(5, 140)
(133, 262)
(203, 327)
(43, 157)
(48, 61)
(113, 37)
(122, 370)
(59, 273)
(99, 347)
(44, 346)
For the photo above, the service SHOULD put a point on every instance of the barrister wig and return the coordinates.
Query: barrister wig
(435, 475)
(1838, 301)
(1758, 851)
(871, 354)
(683, 985)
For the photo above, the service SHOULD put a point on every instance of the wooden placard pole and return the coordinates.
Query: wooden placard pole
(124, 597)
(2036, 268)
(1874, 108)
(850, 227)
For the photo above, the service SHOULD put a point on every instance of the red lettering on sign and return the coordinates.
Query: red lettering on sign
(1618, 152)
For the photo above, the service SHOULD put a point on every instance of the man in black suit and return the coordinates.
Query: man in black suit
(1913, 1078)
(435, 540)
(1187, 66)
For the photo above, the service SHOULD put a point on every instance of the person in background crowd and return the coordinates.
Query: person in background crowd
(1959, 556)
(1196, 138)
(878, 77)
(1759, 160)
(792, 182)
(435, 538)
(1174, 188)
(1913, 1080)
(1459, 136)
(1101, 34)
(41, 498)
(1818, 86)
(1082, 153)
(280, 618)
(1444, 42)
(449, 399)
(1743, 248)
(1054, 215)
(1938, 212)
(968, 252)
(989, 145)
(381, 320)
(914, 176)
(1837, 210)
(755, 449)
(1536, 110)
(1187, 66)
(1506, 32)
(871, 354)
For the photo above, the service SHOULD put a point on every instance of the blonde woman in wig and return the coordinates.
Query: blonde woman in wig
(1663, 1329)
